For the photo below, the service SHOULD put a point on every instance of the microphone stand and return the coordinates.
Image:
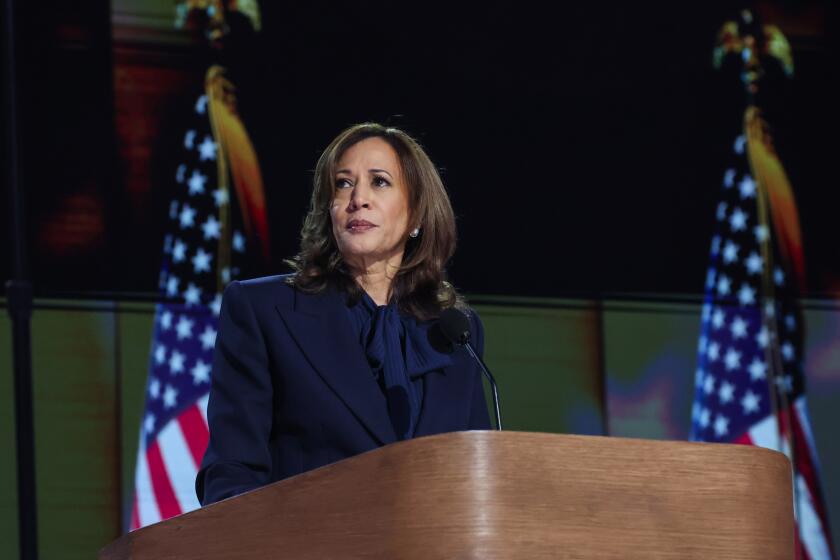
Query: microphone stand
(492, 381)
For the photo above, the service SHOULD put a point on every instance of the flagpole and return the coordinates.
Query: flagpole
(19, 302)
(780, 401)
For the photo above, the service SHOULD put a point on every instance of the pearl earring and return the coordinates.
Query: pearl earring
(415, 232)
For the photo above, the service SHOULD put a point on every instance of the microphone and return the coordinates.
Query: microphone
(455, 326)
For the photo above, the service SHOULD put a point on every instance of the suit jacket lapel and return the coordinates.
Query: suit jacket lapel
(321, 328)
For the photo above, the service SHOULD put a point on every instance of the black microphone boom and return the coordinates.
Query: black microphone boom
(455, 326)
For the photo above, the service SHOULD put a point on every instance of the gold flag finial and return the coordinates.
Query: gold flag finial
(753, 44)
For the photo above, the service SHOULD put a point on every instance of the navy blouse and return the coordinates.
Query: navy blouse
(399, 354)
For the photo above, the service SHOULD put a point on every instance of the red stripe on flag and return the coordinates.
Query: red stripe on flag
(744, 439)
(164, 494)
(807, 470)
(135, 515)
(801, 553)
(195, 433)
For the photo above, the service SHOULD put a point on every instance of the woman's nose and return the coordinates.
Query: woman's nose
(359, 198)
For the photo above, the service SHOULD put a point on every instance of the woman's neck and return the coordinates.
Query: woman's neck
(376, 278)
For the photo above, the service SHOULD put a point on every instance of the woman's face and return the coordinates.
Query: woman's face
(370, 204)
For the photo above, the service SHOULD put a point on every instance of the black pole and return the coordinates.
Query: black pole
(19, 299)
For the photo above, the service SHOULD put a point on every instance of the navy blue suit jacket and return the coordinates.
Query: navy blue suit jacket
(292, 390)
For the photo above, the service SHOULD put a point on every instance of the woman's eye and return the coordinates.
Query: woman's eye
(343, 183)
(381, 181)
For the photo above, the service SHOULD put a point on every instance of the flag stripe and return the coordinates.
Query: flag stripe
(163, 491)
(180, 466)
(146, 502)
(135, 515)
(811, 529)
(195, 429)
(202, 407)
(766, 434)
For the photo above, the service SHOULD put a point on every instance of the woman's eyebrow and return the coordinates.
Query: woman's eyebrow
(380, 171)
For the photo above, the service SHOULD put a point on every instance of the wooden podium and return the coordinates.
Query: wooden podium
(501, 495)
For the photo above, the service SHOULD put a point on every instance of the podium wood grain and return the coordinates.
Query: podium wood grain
(501, 495)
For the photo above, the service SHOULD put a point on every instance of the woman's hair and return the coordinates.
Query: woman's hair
(419, 287)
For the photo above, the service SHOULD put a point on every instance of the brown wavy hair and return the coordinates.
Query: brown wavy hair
(420, 287)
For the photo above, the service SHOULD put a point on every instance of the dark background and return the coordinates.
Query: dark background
(583, 144)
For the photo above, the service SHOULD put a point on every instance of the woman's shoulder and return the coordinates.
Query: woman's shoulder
(275, 288)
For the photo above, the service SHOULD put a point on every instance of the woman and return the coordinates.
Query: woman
(339, 358)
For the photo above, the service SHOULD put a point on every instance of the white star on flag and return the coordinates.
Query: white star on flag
(207, 149)
(184, 328)
(216, 305)
(172, 286)
(740, 142)
(757, 369)
(709, 385)
(160, 353)
(779, 277)
(238, 242)
(193, 295)
(738, 220)
(750, 402)
(729, 178)
(715, 244)
(154, 388)
(704, 418)
(721, 425)
(699, 377)
(179, 251)
(149, 423)
(200, 373)
(208, 338)
(761, 233)
(763, 337)
(785, 383)
(176, 362)
(170, 396)
(718, 319)
(724, 287)
(721, 211)
(730, 252)
(187, 217)
(189, 139)
(180, 174)
(196, 182)
(732, 359)
(714, 351)
(212, 228)
(739, 328)
(754, 263)
(747, 187)
(221, 197)
(166, 320)
(201, 105)
(201, 261)
(726, 392)
(787, 351)
(746, 295)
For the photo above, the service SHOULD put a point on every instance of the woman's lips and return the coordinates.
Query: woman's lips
(359, 226)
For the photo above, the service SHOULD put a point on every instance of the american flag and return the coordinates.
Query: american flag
(750, 385)
(201, 247)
